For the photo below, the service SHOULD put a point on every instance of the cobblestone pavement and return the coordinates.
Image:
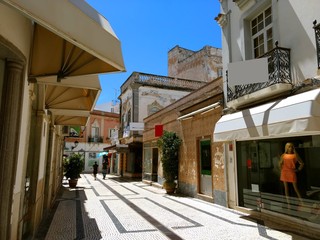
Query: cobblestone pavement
(118, 209)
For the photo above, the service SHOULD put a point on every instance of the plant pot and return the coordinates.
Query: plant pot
(73, 183)
(170, 187)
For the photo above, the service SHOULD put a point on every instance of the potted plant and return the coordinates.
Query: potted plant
(169, 144)
(73, 166)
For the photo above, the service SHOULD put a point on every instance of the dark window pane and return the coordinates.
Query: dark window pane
(268, 21)
(260, 26)
(261, 50)
(254, 31)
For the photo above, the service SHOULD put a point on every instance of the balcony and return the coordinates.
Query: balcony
(96, 139)
(129, 134)
(316, 27)
(279, 80)
(161, 81)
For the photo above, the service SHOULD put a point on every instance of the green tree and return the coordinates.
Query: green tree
(169, 144)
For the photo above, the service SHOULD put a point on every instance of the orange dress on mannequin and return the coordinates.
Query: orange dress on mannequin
(288, 170)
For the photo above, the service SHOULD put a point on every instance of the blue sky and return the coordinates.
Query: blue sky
(148, 29)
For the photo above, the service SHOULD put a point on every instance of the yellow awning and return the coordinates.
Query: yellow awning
(70, 103)
(70, 39)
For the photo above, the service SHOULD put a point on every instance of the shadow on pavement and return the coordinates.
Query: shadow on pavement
(77, 196)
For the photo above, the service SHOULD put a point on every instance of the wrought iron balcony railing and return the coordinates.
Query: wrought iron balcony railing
(316, 28)
(278, 70)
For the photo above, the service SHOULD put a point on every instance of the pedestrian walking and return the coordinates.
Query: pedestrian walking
(104, 166)
(95, 170)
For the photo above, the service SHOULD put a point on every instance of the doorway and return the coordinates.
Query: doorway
(155, 164)
(205, 167)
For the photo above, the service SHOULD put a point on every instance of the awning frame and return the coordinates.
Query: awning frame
(71, 102)
(118, 147)
(201, 110)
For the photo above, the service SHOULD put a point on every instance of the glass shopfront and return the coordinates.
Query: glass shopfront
(259, 185)
(150, 162)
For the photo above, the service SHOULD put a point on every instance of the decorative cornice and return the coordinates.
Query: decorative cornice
(221, 19)
(242, 3)
(32, 95)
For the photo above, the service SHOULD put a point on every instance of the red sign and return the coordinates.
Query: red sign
(158, 130)
(249, 163)
(230, 147)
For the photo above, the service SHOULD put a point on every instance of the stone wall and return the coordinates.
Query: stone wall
(191, 131)
(203, 65)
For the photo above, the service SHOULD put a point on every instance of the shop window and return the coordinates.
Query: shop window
(147, 163)
(259, 184)
(150, 163)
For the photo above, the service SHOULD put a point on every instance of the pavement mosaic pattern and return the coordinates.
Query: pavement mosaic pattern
(118, 209)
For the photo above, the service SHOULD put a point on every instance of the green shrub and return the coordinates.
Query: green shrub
(169, 144)
(73, 166)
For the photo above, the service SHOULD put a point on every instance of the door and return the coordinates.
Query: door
(205, 167)
(155, 164)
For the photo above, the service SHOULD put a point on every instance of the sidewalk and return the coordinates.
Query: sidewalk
(119, 209)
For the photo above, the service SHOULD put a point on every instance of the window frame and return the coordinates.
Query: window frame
(262, 32)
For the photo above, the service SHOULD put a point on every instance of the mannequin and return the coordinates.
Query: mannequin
(287, 165)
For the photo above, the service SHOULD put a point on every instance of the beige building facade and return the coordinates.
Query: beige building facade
(142, 95)
(48, 79)
(90, 140)
(201, 162)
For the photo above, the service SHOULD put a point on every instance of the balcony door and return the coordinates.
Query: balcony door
(261, 32)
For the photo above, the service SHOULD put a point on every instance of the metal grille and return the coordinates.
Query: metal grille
(162, 82)
(278, 70)
(316, 28)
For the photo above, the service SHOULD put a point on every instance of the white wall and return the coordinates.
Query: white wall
(292, 28)
(296, 32)
(21, 37)
(165, 97)
(88, 148)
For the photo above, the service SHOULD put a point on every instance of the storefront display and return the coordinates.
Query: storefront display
(259, 173)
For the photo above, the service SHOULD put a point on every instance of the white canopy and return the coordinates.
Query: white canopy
(292, 116)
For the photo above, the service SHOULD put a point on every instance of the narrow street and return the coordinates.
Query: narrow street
(119, 209)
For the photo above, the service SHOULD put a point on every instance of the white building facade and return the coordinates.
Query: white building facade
(271, 83)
